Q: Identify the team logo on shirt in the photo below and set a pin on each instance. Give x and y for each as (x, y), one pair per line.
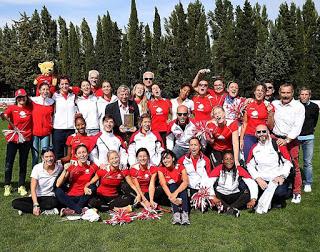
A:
(119, 176)
(87, 171)
(146, 176)
(254, 114)
(221, 137)
(159, 110)
(22, 114)
(200, 106)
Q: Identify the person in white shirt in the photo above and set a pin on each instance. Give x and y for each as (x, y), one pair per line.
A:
(63, 118)
(43, 176)
(108, 141)
(180, 131)
(182, 99)
(145, 138)
(104, 100)
(267, 165)
(288, 121)
(87, 106)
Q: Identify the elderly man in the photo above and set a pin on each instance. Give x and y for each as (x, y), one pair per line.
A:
(180, 131)
(147, 82)
(288, 121)
(306, 137)
(93, 78)
(123, 110)
(269, 165)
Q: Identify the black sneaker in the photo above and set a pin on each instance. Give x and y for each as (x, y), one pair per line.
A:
(233, 211)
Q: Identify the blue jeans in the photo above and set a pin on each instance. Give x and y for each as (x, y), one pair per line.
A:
(59, 138)
(248, 142)
(307, 150)
(183, 195)
(38, 143)
(74, 202)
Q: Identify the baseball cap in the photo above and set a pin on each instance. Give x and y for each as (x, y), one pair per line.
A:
(20, 92)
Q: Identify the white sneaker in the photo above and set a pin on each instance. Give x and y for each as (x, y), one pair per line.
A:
(53, 211)
(20, 212)
(307, 188)
(296, 198)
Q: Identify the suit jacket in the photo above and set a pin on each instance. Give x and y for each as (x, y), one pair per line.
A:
(114, 110)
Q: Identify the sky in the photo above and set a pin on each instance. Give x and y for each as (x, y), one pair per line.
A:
(75, 10)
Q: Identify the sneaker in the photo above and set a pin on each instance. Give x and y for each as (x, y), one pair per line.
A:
(307, 188)
(185, 218)
(220, 209)
(296, 199)
(84, 210)
(233, 211)
(7, 190)
(22, 191)
(176, 219)
(53, 211)
(67, 212)
(20, 212)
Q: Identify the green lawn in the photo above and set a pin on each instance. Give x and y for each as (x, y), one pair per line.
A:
(295, 228)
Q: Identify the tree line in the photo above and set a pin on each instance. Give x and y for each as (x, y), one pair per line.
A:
(239, 43)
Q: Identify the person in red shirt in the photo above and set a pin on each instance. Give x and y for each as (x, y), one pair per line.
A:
(144, 178)
(110, 178)
(80, 137)
(256, 113)
(159, 108)
(138, 95)
(42, 121)
(174, 180)
(222, 136)
(18, 138)
(202, 103)
(77, 175)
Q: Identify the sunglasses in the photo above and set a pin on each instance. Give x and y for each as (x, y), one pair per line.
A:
(203, 85)
(261, 132)
(182, 114)
(46, 149)
(148, 78)
(270, 87)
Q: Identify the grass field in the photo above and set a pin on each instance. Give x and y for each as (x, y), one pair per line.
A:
(295, 228)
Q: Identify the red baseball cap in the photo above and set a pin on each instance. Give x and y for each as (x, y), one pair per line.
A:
(20, 92)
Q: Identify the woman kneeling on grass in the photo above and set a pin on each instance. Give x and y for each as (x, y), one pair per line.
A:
(43, 176)
(110, 178)
(233, 187)
(174, 181)
(77, 175)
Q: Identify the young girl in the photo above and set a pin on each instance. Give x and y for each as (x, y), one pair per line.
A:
(20, 116)
(174, 181)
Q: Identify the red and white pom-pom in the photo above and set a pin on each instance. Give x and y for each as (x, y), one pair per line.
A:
(149, 215)
(120, 217)
(201, 199)
(238, 107)
(14, 135)
(201, 129)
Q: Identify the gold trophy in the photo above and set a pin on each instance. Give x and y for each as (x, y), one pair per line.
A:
(128, 121)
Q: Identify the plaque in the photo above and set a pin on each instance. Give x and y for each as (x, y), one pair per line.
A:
(128, 121)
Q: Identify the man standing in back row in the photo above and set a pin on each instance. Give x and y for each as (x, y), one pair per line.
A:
(306, 137)
(288, 120)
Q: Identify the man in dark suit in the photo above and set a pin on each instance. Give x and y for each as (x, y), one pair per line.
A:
(119, 109)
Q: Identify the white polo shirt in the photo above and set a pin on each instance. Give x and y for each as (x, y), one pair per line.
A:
(187, 102)
(45, 180)
(64, 111)
(102, 104)
(89, 110)
(288, 118)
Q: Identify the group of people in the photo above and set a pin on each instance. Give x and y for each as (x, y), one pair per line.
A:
(137, 148)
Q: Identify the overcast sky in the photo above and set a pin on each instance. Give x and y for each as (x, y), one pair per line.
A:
(76, 10)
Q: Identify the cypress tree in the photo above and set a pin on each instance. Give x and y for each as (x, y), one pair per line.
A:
(64, 57)
(49, 33)
(147, 49)
(125, 62)
(74, 48)
(99, 50)
(134, 42)
(156, 40)
(87, 47)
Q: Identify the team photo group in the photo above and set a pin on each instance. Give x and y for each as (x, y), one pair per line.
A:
(98, 149)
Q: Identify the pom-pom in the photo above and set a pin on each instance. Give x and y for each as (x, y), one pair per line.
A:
(14, 135)
(201, 199)
(149, 215)
(120, 216)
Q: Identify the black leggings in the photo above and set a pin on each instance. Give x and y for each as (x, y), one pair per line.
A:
(26, 204)
(12, 149)
(236, 200)
(106, 203)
